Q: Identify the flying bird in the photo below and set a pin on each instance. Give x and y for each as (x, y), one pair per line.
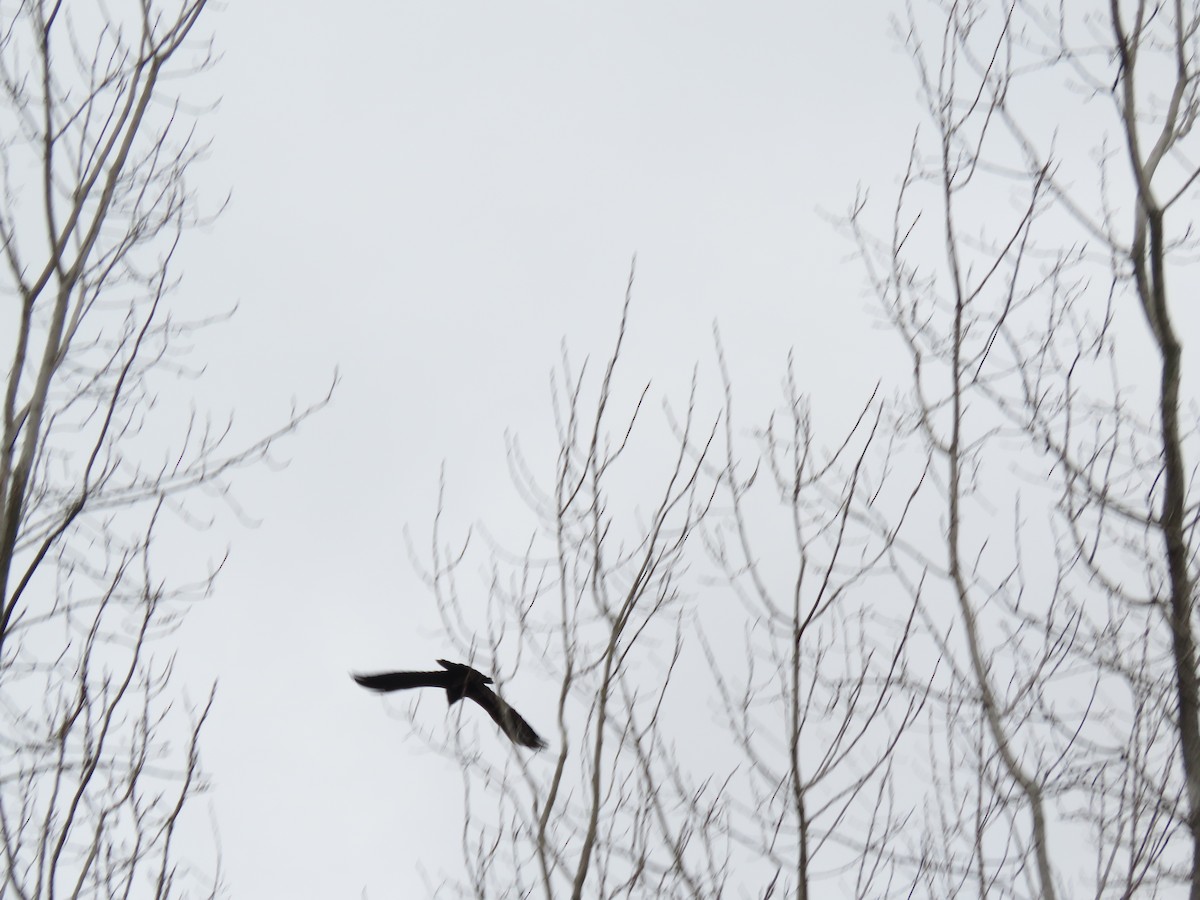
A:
(460, 681)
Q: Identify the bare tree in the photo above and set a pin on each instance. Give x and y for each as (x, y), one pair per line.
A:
(819, 693)
(1045, 215)
(597, 604)
(97, 759)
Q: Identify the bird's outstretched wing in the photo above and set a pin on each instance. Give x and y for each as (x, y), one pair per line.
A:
(400, 681)
(509, 720)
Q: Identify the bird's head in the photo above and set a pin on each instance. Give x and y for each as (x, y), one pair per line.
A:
(464, 670)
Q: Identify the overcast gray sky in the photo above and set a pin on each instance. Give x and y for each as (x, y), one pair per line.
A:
(430, 197)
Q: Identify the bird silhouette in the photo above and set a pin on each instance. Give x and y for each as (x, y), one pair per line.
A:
(460, 681)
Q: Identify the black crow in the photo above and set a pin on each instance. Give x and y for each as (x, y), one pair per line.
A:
(460, 681)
